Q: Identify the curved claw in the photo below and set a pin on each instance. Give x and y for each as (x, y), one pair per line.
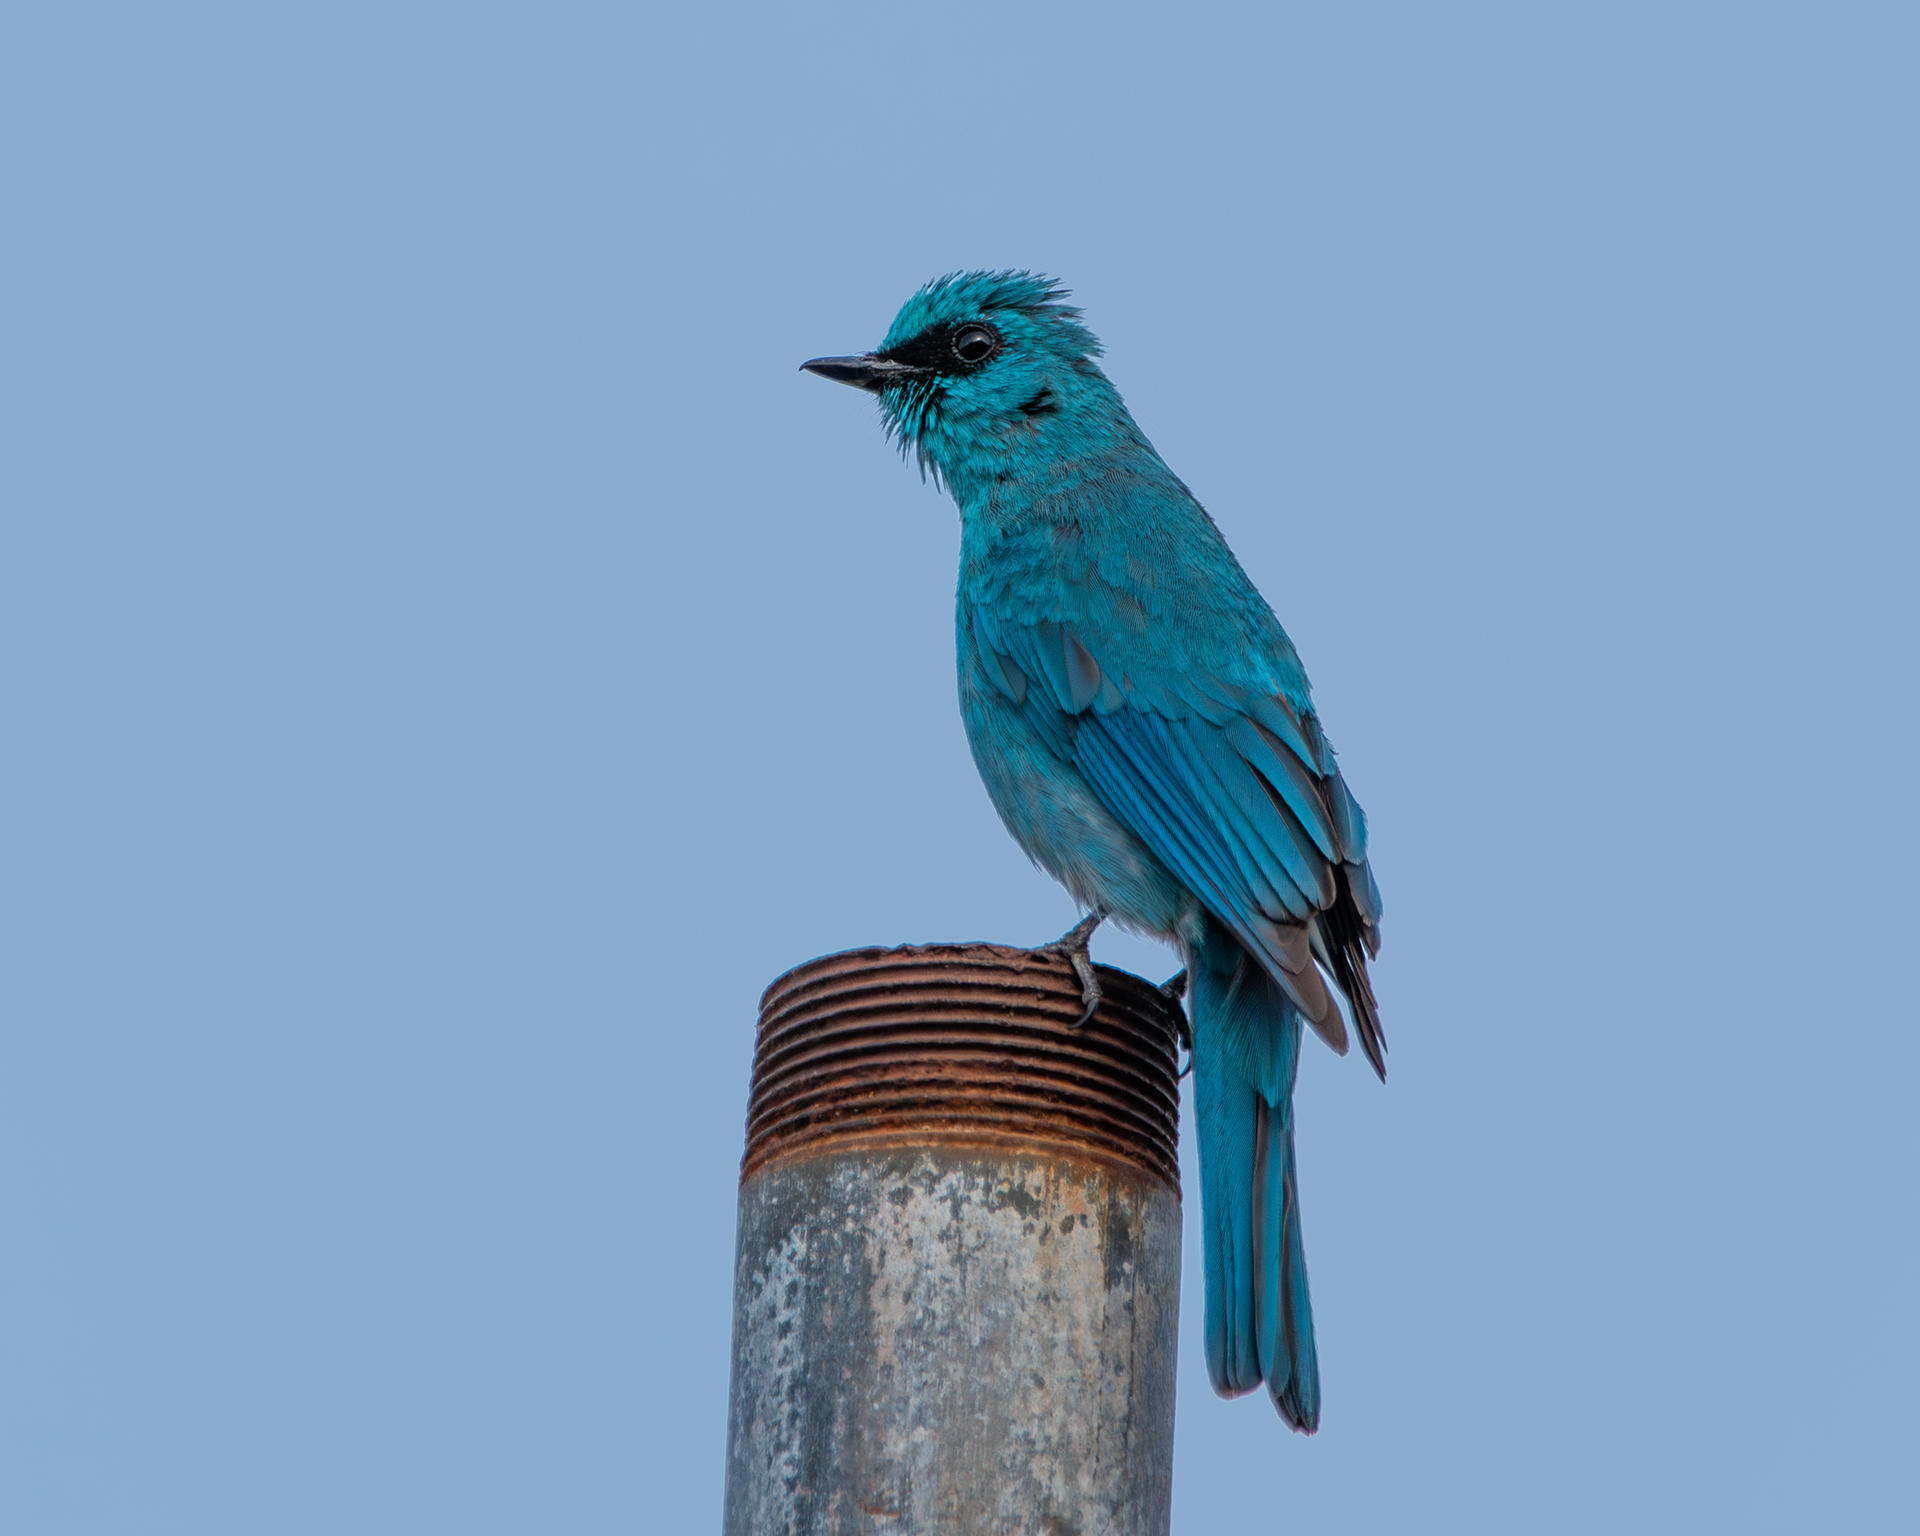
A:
(1174, 988)
(1073, 945)
(1090, 992)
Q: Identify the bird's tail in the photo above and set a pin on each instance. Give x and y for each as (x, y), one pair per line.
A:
(1246, 1049)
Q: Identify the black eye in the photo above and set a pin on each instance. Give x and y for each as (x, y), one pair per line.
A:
(974, 344)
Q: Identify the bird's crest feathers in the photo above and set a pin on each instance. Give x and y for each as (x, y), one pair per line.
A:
(1033, 327)
(962, 296)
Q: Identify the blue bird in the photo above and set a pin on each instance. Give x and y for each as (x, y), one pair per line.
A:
(1146, 732)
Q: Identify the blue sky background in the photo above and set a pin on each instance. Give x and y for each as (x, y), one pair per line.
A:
(450, 661)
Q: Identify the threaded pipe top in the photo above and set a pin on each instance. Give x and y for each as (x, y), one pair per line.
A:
(964, 1045)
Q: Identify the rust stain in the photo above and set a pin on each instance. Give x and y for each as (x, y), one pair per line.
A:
(963, 1045)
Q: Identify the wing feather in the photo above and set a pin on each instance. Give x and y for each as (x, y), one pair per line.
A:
(1234, 788)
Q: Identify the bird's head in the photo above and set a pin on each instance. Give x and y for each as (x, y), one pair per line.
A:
(982, 371)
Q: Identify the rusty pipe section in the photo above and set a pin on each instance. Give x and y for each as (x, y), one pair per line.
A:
(957, 1281)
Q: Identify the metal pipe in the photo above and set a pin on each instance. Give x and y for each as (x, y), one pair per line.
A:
(957, 1282)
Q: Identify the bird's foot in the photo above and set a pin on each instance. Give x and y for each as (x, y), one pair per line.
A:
(1174, 989)
(1073, 945)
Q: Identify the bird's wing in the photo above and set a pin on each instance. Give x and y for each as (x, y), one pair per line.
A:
(1232, 786)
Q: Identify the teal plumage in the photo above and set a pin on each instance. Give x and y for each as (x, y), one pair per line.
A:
(1145, 729)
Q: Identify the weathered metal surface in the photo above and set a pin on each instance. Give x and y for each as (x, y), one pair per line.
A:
(957, 1284)
(968, 1043)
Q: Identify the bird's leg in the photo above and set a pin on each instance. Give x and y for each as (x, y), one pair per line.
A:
(1174, 989)
(1073, 944)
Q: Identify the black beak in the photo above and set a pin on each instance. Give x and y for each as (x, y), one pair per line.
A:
(869, 372)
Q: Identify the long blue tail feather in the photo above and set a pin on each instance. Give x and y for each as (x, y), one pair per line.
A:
(1246, 1051)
